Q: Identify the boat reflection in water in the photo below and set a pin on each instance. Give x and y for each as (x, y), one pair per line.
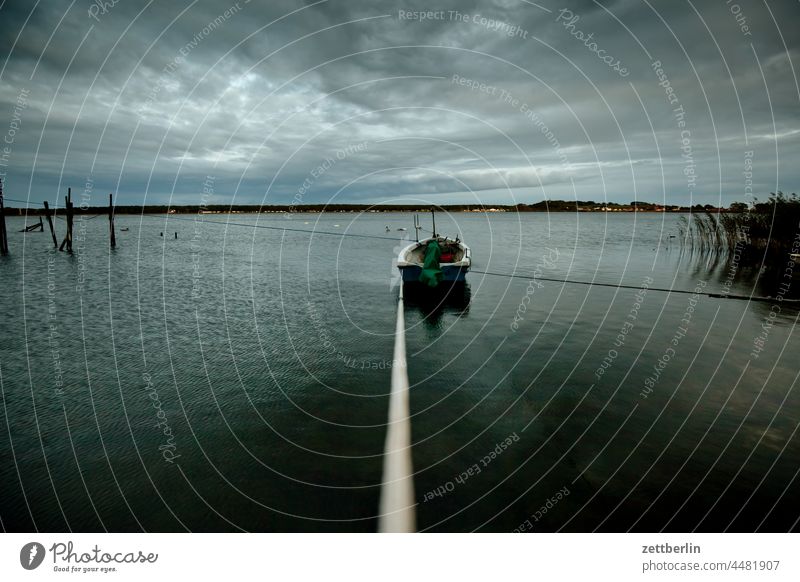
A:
(448, 298)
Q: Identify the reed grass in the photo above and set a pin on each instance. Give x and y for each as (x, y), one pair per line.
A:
(764, 231)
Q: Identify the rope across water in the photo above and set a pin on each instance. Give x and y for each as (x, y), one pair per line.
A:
(490, 273)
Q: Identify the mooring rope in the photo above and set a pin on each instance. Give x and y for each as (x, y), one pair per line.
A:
(515, 275)
(491, 273)
(621, 286)
(22, 201)
(54, 208)
(264, 226)
(397, 509)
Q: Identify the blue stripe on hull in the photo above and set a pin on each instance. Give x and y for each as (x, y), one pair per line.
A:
(451, 274)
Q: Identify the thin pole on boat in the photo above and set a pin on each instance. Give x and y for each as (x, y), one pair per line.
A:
(433, 217)
(397, 508)
(416, 227)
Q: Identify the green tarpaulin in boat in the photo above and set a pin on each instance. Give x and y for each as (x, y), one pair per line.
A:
(431, 274)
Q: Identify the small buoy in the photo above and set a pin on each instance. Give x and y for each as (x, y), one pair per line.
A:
(160, 234)
(336, 225)
(176, 235)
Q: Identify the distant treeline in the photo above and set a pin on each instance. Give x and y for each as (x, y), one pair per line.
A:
(544, 206)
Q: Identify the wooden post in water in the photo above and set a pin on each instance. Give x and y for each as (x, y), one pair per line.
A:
(111, 220)
(68, 238)
(50, 223)
(34, 227)
(3, 237)
(69, 220)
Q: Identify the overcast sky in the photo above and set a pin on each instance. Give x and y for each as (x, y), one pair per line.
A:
(366, 101)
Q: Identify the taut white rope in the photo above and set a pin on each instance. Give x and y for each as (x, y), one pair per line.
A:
(397, 507)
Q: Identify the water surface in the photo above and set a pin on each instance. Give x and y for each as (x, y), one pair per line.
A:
(268, 353)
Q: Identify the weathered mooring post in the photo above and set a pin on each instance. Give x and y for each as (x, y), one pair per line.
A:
(3, 236)
(68, 238)
(50, 223)
(113, 238)
(34, 227)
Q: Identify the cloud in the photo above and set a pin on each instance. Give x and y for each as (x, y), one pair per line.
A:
(150, 100)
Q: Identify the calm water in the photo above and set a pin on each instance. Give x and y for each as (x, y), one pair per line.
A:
(268, 354)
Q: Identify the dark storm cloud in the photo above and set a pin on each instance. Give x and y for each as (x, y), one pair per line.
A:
(498, 101)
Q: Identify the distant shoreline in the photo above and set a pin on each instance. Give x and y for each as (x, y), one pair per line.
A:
(550, 206)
